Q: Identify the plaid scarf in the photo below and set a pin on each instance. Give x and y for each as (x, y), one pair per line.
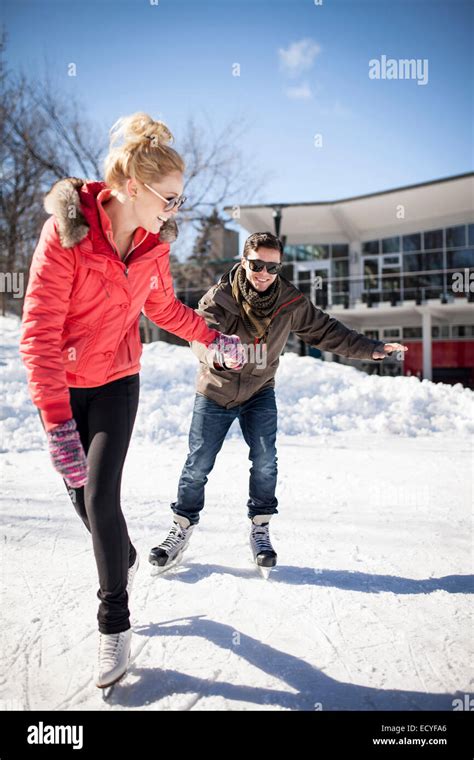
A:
(256, 308)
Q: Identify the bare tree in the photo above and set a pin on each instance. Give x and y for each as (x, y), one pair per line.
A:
(20, 198)
(74, 145)
(42, 139)
(45, 136)
(217, 172)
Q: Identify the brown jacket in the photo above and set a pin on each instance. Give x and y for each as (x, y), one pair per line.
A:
(294, 312)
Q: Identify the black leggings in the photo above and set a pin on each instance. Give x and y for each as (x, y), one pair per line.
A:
(105, 416)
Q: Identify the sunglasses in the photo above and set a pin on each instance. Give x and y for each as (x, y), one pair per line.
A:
(170, 203)
(257, 265)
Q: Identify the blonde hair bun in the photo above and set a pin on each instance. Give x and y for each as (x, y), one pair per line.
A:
(140, 147)
(140, 129)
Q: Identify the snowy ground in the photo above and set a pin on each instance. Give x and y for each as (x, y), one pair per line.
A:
(368, 608)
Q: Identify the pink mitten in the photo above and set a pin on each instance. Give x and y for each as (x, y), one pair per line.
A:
(229, 351)
(67, 454)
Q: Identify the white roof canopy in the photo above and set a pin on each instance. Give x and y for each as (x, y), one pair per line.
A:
(403, 210)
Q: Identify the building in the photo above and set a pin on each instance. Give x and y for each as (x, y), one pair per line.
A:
(396, 265)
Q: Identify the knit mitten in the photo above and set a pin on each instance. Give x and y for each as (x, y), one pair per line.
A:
(228, 351)
(67, 454)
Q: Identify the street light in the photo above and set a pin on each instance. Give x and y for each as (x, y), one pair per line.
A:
(277, 222)
(277, 219)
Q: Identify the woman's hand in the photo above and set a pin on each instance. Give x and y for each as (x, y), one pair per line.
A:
(67, 454)
(388, 349)
(229, 351)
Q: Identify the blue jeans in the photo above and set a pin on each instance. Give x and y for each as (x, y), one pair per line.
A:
(209, 427)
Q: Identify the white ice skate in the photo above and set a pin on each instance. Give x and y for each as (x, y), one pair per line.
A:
(114, 655)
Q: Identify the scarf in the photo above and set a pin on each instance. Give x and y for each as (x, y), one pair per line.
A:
(256, 308)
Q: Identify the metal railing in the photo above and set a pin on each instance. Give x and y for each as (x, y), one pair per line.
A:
(394, 288)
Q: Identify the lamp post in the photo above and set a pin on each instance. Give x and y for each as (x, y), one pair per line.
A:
(277, 223)
(277, 220)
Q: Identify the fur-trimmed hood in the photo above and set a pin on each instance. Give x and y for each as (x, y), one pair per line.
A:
(73, 203)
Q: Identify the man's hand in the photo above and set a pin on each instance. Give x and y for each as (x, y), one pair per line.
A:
(229, 351)
(388, 349)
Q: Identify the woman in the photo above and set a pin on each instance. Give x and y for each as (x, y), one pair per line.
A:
(102, 259)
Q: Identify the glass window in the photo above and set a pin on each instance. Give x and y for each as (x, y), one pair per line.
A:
(391, 245)
(372, 334)
(432, 260)
(429, 285)
(462, 331)
(371, 272)
(391, 332)
(300, 252)
(412, 332)
(372, 246)
(311, 252)
(391, 261)
(340, 251)
(470, 230)
(440, 331)
(340, 268)
(456, 236)
(433, 239)
(460, 259)
(412, 242)
(419, 262)
(412, 262)
(319, 251)
(315, 252)
(391, 286)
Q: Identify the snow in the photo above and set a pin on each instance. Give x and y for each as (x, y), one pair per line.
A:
(367, 609)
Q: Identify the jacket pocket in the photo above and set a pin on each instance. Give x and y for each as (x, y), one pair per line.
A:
(134, 343)
(76, 340)
(90, 282)
(129, 350)
(93, 262)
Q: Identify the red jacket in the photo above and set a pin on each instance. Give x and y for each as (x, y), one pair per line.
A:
(80, 323)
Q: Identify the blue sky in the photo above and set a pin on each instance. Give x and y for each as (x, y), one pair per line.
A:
(303, 71)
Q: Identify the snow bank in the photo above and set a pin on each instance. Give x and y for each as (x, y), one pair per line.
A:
(314, 398)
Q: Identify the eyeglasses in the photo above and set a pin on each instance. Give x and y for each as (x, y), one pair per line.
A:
(257, 265)
(170, 203)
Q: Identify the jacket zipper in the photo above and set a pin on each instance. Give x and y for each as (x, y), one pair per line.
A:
(109, 235)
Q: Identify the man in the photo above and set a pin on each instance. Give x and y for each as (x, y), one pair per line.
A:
(255, 302)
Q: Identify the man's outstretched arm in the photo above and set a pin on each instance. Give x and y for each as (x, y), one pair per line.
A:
(322, 331)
